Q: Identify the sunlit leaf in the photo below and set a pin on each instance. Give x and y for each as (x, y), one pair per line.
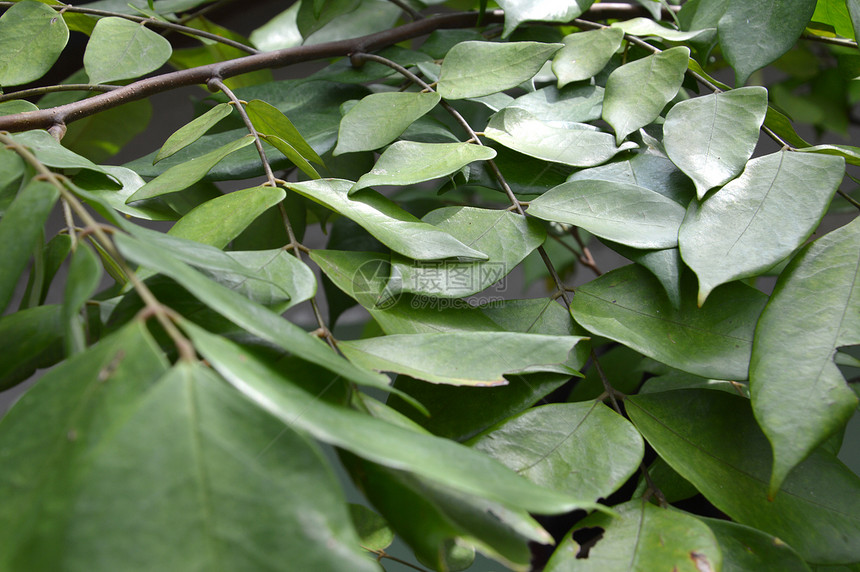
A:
(585, 53)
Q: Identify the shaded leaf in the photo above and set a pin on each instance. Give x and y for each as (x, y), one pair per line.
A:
(381, 217)
(745, 548)
(758, 219)
(32, 37)
(585, 54)
(473, 69)
(122, 49)
(380, 118)
(817, 512)
(34, 339)
(620, 212)
(49, 152)
(629, 305)
(712, 137)
(408, 162)
(82, 280)
(799, 396)
(637, 92)
(192, 131)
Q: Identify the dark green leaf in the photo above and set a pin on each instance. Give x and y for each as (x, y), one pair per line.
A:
(745, 548)
(84, 276)
(34, 339)
(192, 131)
(380, 118)
(280, 132)
(32, 37)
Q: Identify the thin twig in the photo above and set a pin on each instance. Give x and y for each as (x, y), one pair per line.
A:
(148, 21)
(848, 198)
(843, 42)
(413, 13)
(24, 93)
(380, 554)
(586, 259)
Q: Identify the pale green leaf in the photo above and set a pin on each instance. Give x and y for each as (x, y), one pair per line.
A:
(519, 11)
(637, 92)
(220, 220)
(575, 144)
(849, 153)
(408, 162)
(582, 448)
(645, 27)
(381, 217)
(630, 306)
(754, 34)
(380, 118)
(580, 103)
(758, 219)
(643, 538)
(653, 172)
(438, 357)
(818, 511)
(32, 37)
(191, 132)
(619, 212)
(184, 175)
(711, 138)
(473, 69)
(799, 395)
(585, 54)
(122, 49)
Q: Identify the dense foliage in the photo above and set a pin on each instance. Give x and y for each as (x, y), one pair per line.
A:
(186, 424)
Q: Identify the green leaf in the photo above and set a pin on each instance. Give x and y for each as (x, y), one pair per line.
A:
(799, 396)
(381, 217)
(519, 11)
(122, 49)
(473, 69)
(854, 12)
(12, 171)
(101, 136)
(712, 137)
(577, 103)
(438, 357)
(83, 279)
(645, 27)
(629, 305)
(32, 37)
(49, 152)
(34, 339)
(620, 212)
(754, 35)
(849, 153)
(665, 265)
(253, 317)
(585, 54)
(192, 131)
(506, 237)
(564, 447)
(380, 118)
(680, 380)
(781, 125)
(758, 219)
(21, 232)
(312, 17)
(644, 170)
(745, 548)
(408, 162)
(17, 106)
(576, 144)
(93, 188)
(220, 220)
(818, 513)
(280, 32)
(637, 92)
(642, 538)
(439, 460)
(184, 175)
(834, 13)
(278, 130)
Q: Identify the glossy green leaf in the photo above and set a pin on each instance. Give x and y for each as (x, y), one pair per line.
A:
(473, 69)
(666, 265)
(629, 305)
(34, 339)
(122, 49)
(643, 538)
(645, 27)
(818, 510)
(849, 153)
(381, 217)
(21, 232)
(438, 357)
(408, 162)
(637, 92)
(584, 448)
(577, 103)
(759, 218)
(753, 35)
(576, 144)
(799, 396)
(192, 131)
(644, 170)
(439, 460)
(585, 53)
(83, 279)
(712, 137)
(619, 212)
(380, 118)
(255, 318)
(519, 11)
(506, 237)
(32, 37)
(220, 220)
(280, 32)
(280, 132)
(745, 548)
(184, 175)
